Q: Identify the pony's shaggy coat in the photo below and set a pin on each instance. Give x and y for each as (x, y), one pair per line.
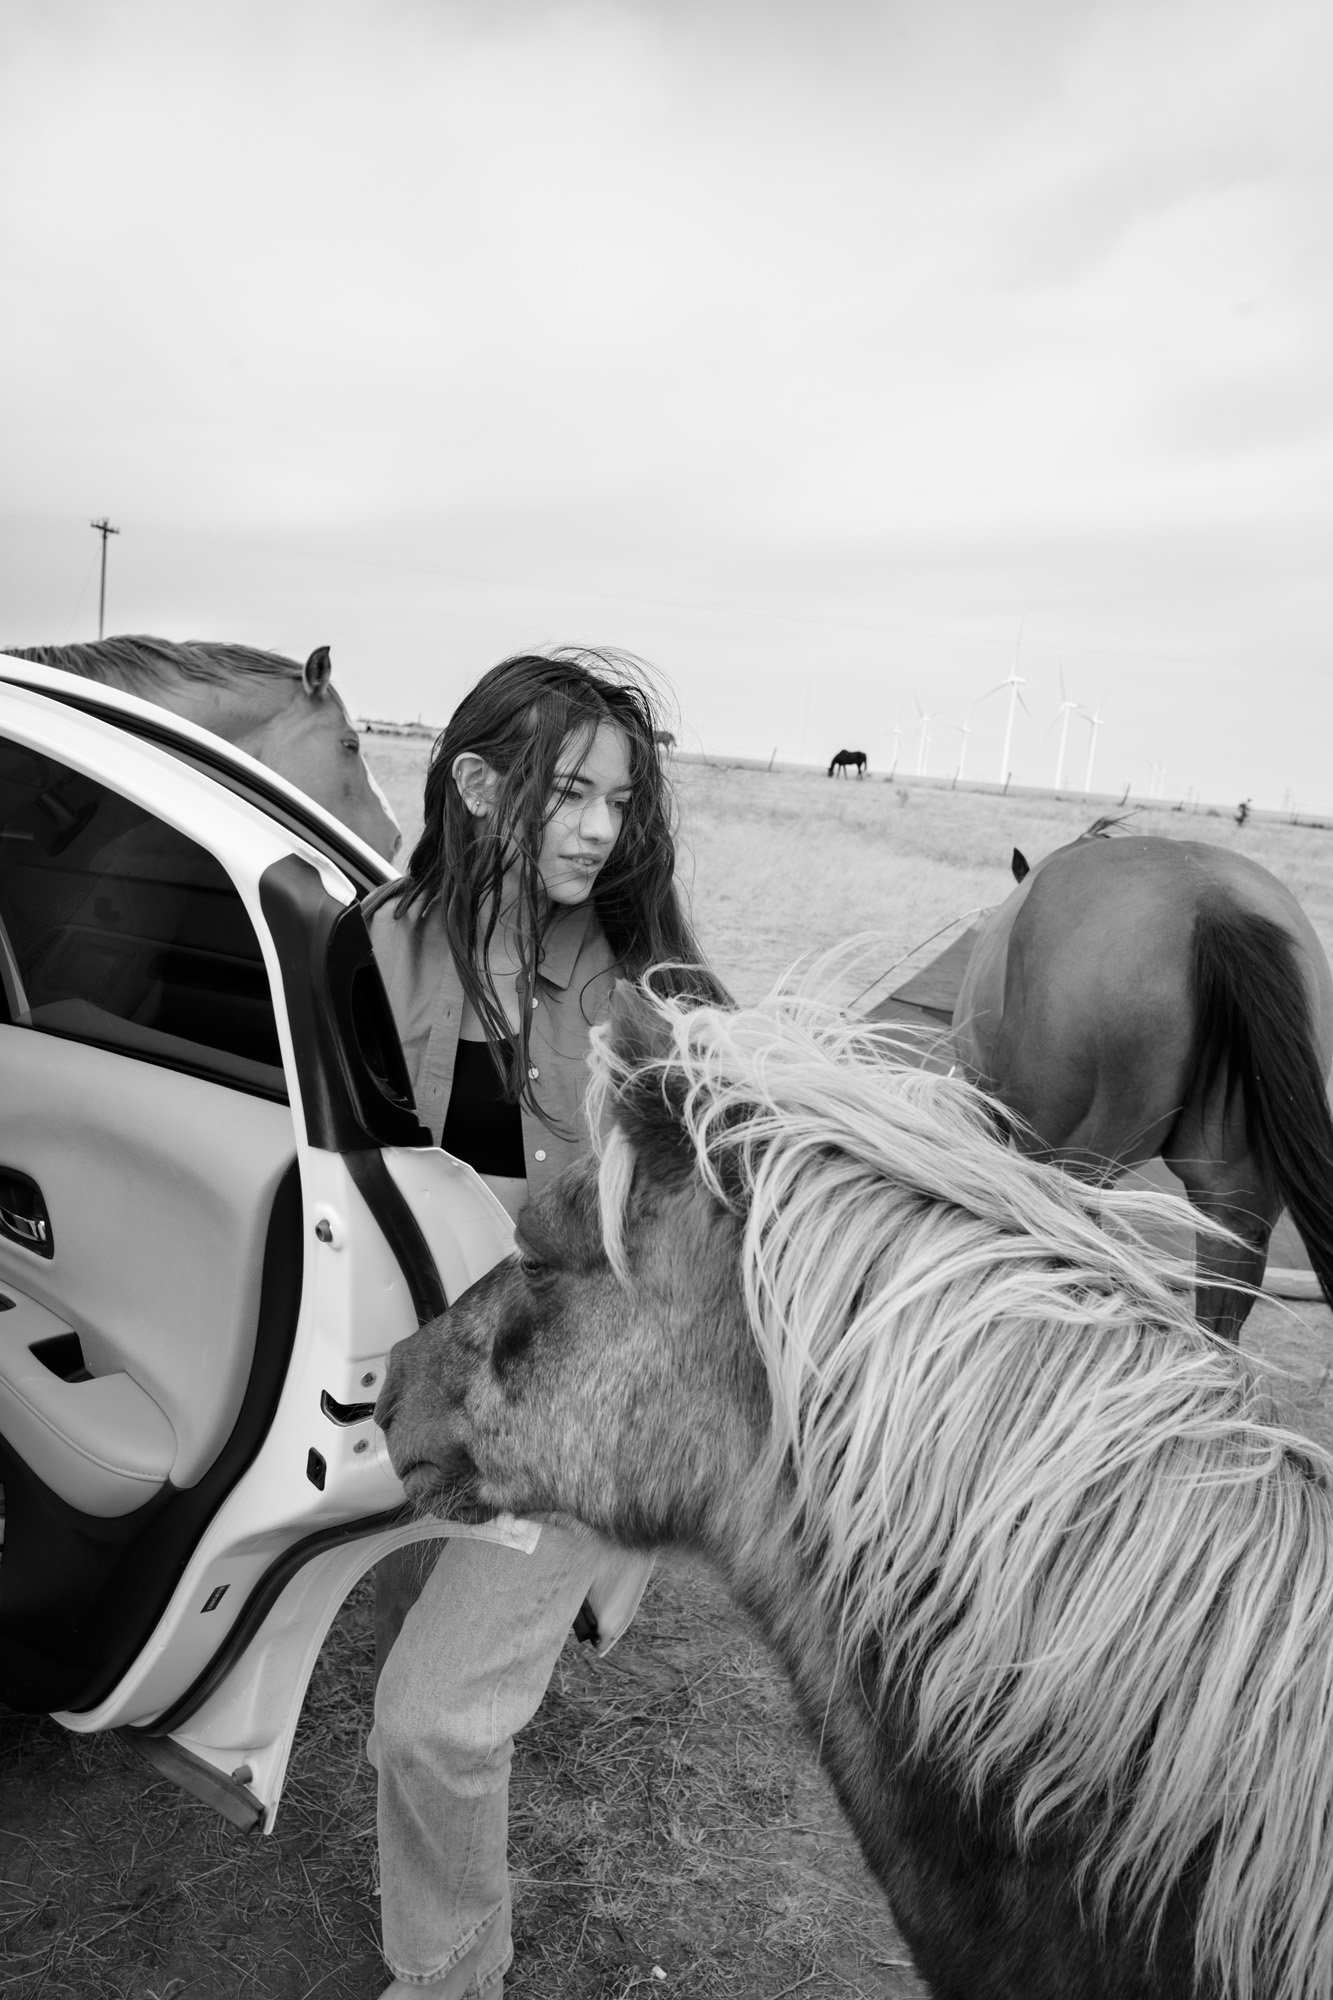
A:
(1052, 1508)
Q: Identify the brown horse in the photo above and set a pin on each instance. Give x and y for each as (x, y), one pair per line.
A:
(845, 760)
(1054, 1589)
(1137, 997)
(285, 715)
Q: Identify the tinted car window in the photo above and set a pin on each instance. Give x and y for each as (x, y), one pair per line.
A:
(116, 929)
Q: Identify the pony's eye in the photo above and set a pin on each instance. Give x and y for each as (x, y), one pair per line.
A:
(533, 1269)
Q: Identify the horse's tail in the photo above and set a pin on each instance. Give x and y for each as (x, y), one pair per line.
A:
(1253, 1024)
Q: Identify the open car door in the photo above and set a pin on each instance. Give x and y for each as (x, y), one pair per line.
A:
(217, 1214)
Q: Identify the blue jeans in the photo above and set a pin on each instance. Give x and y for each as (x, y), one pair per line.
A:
(475, 1655)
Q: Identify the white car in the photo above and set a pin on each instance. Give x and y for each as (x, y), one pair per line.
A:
(218, 1212)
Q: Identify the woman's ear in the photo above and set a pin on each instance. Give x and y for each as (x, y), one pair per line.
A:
(477, 783)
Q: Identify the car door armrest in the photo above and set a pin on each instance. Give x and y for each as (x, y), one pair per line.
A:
(101, 1443)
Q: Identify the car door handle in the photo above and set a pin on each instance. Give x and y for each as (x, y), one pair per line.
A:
(27, 1228)
(23, 1215)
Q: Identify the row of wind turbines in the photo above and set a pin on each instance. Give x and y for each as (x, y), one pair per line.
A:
(1014, 682)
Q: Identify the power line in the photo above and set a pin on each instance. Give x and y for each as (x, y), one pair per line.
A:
(104, 528)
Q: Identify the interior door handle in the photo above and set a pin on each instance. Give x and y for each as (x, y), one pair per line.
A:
(28, 1228)
(23, 1214)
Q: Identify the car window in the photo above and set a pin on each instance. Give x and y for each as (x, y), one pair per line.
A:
(118, 930)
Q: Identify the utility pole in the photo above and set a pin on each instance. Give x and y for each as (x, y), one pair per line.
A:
(104, 528)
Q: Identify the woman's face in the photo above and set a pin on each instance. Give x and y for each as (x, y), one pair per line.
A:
(585, 812)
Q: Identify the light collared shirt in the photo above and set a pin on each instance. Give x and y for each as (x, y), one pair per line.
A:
(575, 974)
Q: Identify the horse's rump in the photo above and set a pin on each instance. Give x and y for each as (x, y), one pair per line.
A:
(1254, 1038)
(1138, 997)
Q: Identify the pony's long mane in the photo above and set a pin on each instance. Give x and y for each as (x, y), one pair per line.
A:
(139, 664)
(1062, 1516)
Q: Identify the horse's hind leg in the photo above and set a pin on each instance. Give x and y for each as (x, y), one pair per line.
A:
(1235, 1193)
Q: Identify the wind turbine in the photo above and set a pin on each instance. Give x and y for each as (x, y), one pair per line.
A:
(923, 736)
(897, 735)
(1013, 681)
(999, 688)
(1062, 715)
(961, 729)
(1096, 721)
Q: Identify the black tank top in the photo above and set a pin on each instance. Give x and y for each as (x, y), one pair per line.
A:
(479, 1126)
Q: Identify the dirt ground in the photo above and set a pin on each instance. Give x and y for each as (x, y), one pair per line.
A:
(671, 1831)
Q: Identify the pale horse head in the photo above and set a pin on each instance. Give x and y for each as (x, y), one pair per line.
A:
(285, 715)
(312, 741)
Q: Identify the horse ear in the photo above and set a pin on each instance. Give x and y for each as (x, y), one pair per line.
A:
(1018, 862)
(637, 1031)
(644, 1105)
(316, 672)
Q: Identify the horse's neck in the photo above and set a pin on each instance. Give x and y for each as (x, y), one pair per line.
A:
(944, 1871)
(768, 1578)
(242, 711)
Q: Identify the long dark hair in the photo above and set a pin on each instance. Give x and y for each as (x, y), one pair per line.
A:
(519, 717)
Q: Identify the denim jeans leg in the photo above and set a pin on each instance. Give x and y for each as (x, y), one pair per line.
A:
(469, 1669)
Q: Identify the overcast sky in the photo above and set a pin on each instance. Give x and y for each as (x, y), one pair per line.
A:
(811, 350)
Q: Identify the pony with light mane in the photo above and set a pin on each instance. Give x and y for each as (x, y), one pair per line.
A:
(1053, 1584)
(285, 715)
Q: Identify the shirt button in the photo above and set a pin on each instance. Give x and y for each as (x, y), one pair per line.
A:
(533, 1072)
(534, 1004)
(539, 1154)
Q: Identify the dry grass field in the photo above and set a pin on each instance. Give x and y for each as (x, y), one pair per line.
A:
(671, 1831)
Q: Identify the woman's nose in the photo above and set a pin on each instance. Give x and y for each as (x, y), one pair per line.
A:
(596, 823)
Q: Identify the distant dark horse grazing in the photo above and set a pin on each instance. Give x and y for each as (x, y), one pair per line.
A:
(1138, 997)
(286, 715)
(1055, 1591)
(844, 758)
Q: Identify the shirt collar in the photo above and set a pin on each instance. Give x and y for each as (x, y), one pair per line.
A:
(563, 940)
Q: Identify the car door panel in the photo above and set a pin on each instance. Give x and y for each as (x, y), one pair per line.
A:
(204, 1084)
(159, 1187)
(314, 1472)
(144, 1095)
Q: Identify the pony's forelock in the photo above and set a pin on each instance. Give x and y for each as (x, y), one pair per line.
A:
(1049, 1505)
(615, 1174)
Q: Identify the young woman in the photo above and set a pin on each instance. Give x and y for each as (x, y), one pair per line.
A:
(545, 870)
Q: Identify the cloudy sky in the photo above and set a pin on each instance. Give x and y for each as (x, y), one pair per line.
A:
(827, 354)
